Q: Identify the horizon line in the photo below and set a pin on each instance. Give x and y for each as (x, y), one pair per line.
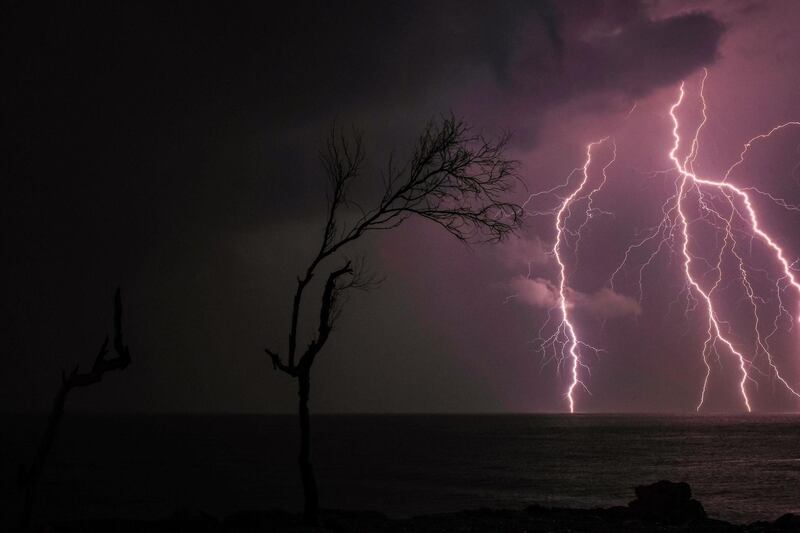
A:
(413, 413)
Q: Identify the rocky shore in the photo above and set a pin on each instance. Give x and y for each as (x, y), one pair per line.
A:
(660, 507)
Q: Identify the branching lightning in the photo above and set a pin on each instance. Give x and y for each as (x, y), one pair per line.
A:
(564, 344)
(698, 201)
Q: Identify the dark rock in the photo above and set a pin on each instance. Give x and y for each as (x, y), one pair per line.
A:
(668, 503)
(615, 514)
(788, 521)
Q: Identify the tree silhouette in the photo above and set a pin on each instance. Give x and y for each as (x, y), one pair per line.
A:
(29, 477)
(455, 178)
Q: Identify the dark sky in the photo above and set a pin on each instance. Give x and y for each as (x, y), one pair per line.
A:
(172, 148)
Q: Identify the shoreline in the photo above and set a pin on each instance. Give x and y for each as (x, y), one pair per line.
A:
(531, 519)
(661, 506)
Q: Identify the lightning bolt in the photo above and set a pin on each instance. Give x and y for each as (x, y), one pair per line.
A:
(564, 342)
(736, 198)
(718, 203)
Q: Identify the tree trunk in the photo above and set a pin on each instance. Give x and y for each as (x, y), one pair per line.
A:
(29, 478)
(310, 496)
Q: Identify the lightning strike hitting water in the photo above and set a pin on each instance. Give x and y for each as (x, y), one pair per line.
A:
(565, 343)
(722, 205)
(688, 180)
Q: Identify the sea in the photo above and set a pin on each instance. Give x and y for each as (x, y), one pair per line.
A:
(742, 468)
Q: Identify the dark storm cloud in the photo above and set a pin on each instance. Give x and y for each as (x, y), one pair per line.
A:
(146, 142)
(618, 52)
(643, 54)
(225, 107)
(428, 57)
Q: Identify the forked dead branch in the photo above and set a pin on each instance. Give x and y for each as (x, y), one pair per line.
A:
(454, 177)
(29, 477)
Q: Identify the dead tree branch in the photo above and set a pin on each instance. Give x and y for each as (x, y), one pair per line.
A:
(29, 477)
(454, 178)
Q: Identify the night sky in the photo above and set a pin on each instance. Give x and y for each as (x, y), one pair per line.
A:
(172, 149)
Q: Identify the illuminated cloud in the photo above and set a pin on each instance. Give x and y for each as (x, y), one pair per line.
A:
(537, 292)
(603, 304)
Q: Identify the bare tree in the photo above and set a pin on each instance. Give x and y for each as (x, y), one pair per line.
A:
(29, 477)
(454, 178)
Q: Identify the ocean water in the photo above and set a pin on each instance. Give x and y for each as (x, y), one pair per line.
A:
(742, 468)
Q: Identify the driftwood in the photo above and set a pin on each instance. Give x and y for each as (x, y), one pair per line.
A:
(29, 476)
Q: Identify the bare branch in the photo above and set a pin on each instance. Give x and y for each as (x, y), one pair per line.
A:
(298, 296)
(278, 364)
(454, 178)
(362, 278)
(342, 160)
(327, 314)
(29, 477)
(102, 364)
